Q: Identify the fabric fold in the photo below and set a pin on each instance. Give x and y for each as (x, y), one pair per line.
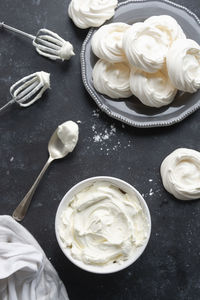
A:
(25, 271)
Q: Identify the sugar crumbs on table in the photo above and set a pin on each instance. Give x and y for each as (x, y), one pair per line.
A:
(96, 113)
(151, 192)
(103, 136)
(11, 159)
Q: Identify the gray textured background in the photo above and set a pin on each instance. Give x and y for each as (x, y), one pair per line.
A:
(169, 268)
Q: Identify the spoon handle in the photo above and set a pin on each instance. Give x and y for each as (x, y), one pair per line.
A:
(20, 212)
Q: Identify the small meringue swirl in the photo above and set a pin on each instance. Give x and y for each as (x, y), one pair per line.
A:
(153, 90)
(169, 27)
(183, 64)
(112, 79)
(180, 172)
(107, 42)
(145, 47)
(91, 13)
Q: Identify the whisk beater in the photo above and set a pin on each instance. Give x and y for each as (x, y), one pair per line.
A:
(28, 89)
(47, 43)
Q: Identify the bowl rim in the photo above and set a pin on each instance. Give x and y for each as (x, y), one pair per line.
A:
(77, 188)
(97, 96)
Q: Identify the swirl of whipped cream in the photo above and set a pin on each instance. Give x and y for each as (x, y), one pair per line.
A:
(112, 79)
(102, 225)
(183, 64)
(107, 42)
(91, 13)
(152, 89)
(169, 27)
(180, 172)
(68, 134)
(145, 47)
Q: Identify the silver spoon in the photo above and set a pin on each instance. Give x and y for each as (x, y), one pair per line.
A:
(56, 150)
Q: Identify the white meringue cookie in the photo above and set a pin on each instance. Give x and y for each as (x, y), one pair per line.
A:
(112, 79)
(145, 47)
(169, 27)
(180, 172)
(91, 13)
(107, 42)
(153, 90)
(183, 64)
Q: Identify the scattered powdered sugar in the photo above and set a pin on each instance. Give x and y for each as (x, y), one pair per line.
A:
(11, 159)
(103, 136)
(106, 136)
(150, 180)
(96, 112)
(79, 122)
(151, 192)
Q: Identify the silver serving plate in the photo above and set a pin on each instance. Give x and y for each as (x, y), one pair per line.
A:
(131, 111)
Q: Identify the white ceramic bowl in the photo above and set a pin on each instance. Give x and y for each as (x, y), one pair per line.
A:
(63, 204)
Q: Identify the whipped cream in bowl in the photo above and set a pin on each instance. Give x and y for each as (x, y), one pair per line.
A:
(103, 224)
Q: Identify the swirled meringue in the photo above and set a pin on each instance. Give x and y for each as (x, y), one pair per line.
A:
(183, 64)
(153, 90)
(169, 27)
(102, 225)
(145, 47)
(107, 42)
(112, 79)
(91, 13)
(180, 172)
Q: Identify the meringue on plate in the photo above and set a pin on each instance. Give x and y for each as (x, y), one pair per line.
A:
(107, 42)
(169, 27)
(183, 64)
(145, 47)
(180, 172)
(153, 90)
(91, 13)
(112, 79)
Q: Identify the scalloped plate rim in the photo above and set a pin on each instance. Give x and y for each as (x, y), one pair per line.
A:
(96, 97)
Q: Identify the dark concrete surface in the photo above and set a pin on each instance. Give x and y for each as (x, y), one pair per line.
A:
(169, 268)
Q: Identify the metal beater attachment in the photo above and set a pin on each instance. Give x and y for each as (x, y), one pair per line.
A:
(47, 43)
(29, 89)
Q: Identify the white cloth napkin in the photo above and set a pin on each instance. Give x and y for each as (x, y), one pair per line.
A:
(25, 271)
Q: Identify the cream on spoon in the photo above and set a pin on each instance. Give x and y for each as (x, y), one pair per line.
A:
(62, 142)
